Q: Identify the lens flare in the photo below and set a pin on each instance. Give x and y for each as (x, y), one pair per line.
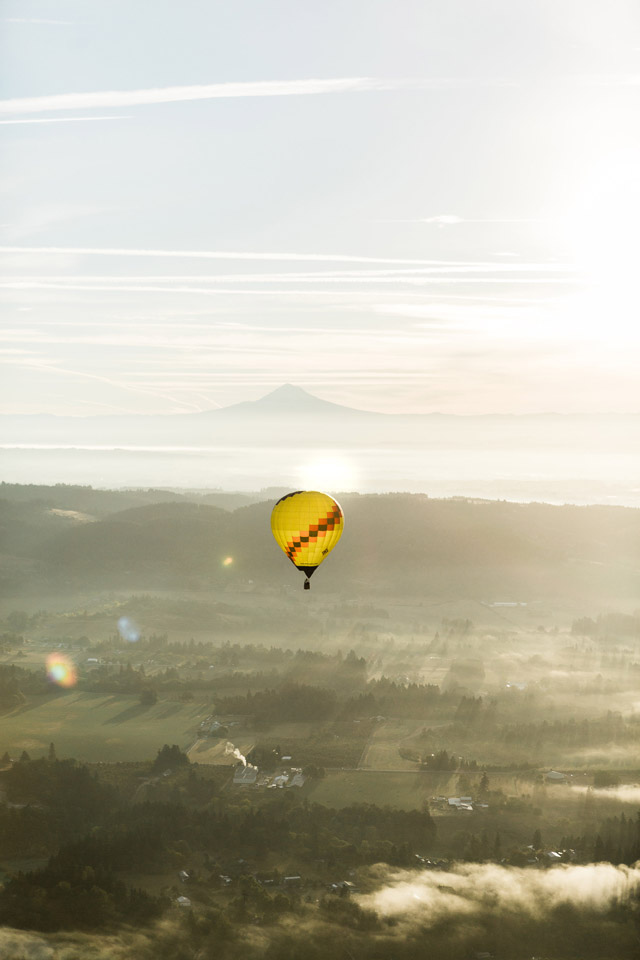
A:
(61, 670)
(227, 561)
(128, 629)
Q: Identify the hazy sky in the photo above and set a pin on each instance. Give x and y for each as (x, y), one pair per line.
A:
(403, 205)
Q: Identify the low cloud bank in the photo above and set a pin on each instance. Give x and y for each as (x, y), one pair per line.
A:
(15, 945)
(472, 889)
(72, 945)
(625, 793)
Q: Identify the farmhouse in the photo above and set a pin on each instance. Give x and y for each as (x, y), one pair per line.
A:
(554, 776)
(245, 776)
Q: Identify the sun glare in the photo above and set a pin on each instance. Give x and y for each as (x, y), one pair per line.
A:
(328, 473)
(603, 237)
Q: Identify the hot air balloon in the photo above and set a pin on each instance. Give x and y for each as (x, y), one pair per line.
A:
(307, 525)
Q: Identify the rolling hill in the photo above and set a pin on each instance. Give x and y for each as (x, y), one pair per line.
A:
(394, 542)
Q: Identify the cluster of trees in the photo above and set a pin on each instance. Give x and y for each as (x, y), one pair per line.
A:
(50, 800)
(78, 887)
(292, 701)
(474, 711)
(381, 697)
(447, 761)
(476, 721)
(611, 624)
(16, 682)
(62, 896)
(611, 728)
(169, 758)
(617, 840)
(338, 744)
(105, 836)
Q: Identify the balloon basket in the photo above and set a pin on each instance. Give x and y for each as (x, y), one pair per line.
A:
(307, 584)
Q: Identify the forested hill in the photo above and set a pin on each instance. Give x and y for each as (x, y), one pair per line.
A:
(76, 537)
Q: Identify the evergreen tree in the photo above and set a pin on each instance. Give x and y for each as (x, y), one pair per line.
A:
(497, 847)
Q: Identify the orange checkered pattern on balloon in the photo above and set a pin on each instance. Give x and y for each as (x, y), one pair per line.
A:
(316, 530)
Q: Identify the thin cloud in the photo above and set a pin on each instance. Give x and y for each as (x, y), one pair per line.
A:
(63, 120)
(214, 91)
(211, 91)
(331, 276)
(450, 219)
(273, 257)
(50, 366)
(249, 292)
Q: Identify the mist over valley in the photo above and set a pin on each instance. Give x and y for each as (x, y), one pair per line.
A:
(435, 745)
(291, 437)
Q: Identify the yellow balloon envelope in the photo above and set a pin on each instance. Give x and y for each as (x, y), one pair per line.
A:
(307, 525)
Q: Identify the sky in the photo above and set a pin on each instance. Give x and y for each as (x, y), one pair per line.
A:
(400, 205)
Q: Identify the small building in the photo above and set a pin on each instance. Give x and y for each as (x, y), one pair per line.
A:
(245, 776)
(293, 880)
(184, 876)
(297, 780)
(183, 902)
(554, 776)
(211, 728)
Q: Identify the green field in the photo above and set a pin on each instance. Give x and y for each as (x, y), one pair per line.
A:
(383, 749)
(93, 727)
(406, 791)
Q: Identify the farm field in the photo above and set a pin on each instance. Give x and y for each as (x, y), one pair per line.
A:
(406, 791)
(99, 727)
(409, 790)
(383, 749)
(216, 751)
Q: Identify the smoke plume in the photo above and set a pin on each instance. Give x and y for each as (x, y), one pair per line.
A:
(230, 749)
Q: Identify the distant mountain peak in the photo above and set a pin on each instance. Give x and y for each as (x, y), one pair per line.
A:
(288, 393)
(289, 399)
